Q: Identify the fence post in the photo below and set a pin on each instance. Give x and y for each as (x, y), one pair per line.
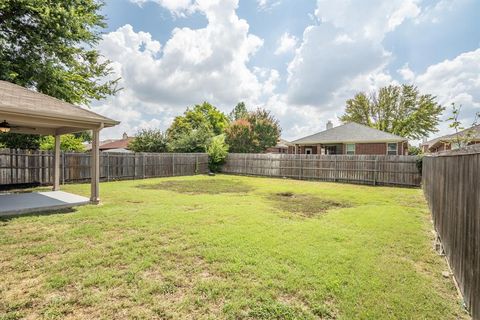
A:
(63, 154)
(173, 164)
(108, 166)
(196, 164)
(301, 168)
(375, 172)
(134, 165)
(335, 176)
(245, 164)
(143, 165)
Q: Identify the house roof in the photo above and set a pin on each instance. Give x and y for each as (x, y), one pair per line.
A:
(24, 107)
(117, 144)
(446, 138)
(350, 132)
(282, 143)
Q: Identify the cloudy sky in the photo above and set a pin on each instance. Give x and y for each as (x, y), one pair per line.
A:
(299, 58)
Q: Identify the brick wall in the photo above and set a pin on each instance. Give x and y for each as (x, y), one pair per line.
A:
(371, 148)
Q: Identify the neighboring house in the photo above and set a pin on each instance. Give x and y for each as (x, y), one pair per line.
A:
(114, 145)
(281, 147)
(350, 138)
(120, 145)
(446, 142)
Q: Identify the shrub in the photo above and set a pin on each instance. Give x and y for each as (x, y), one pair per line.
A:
(217, 152)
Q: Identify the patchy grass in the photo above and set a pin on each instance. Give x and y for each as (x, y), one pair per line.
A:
(305, 205)
(184, 251)
(208, 186)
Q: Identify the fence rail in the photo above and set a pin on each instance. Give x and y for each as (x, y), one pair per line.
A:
(451, 184)
(365, 169)
(36, 167)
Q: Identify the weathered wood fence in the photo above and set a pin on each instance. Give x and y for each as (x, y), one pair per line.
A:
(364, 169)
(451, 183)
(36, 167)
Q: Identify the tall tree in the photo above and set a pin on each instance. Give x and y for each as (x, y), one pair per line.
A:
(400, 110)
(149, 140)
(259, 131)
(202, 116)
(239, 112)
(49, 46)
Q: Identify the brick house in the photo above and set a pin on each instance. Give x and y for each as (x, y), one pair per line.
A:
(444, 143)
(281, 147)
(350, 138)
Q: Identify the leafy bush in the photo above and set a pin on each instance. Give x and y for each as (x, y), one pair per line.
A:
(68, 142)
(149, 140)
(217, 152)
(196, 140)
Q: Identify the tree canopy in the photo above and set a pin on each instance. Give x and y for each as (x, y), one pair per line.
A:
(149, 140)
(255, 133)
(239, 112)
(68, 142)
(400, 110)
(202, 116)
(49, 46)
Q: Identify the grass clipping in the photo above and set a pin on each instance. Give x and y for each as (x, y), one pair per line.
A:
(213, 186)
(305, 205)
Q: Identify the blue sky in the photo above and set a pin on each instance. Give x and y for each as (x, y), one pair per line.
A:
(300, 59)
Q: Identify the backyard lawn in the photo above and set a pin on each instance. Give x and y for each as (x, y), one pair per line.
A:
(228, 247)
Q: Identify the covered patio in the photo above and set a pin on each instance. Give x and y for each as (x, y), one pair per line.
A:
(29, 112)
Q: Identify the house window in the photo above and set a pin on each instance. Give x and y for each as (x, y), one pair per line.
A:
(350, 148)
(308, 150)
(392, 149)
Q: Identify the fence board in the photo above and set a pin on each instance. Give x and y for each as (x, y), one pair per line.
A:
(451, 184)
(36, 166)
(365, 169)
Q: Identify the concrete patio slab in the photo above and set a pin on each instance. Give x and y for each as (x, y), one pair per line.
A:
(22, 203)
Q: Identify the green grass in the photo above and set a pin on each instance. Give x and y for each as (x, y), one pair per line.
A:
(227, 247)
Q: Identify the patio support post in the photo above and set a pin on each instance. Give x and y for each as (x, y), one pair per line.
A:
(56, 164)
(95, 167)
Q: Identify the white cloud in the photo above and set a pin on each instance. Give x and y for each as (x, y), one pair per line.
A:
(194, 65)
(286, 43)
(177, 7)
(456, 80)
(267, 4)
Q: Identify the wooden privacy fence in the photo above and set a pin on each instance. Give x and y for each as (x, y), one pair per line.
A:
(36, 167)
(365, 169)
(451, 183)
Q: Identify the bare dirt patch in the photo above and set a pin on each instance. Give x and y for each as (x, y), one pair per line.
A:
(211, 186)
(305, 205)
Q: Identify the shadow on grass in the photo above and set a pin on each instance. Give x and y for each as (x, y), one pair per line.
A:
(7, 218)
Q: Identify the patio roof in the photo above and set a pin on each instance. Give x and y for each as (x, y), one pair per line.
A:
(28, 111)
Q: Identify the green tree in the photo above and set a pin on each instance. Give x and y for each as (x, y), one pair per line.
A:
(50, 46)
(400, 110)
(217, 152)
(202, 116)
(414, 151)
(149, 140)
(20, 141)
(195, 140)
(68, 142)
(259, 131)
(239, 136)
(239, 112)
